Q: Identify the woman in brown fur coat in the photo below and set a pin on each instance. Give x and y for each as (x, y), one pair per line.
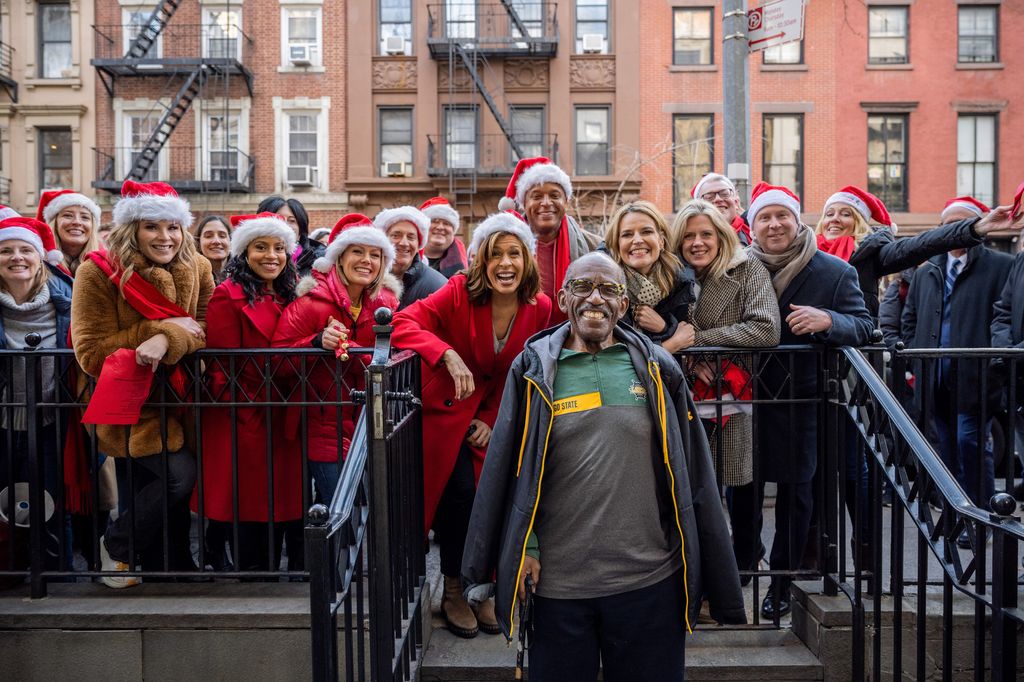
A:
(111, 310)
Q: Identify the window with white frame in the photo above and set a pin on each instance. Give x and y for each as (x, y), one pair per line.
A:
(395, 24)
(976, 157)
(592, 26)
(134, 21)
(303, 129)
(301, 36)
(887, 35)
(460, 137)
(222, 33)
(136, 129)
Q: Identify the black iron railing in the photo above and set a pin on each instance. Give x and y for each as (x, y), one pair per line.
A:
(176, 45)
(186, 168)
(494, 28)
(485, 155)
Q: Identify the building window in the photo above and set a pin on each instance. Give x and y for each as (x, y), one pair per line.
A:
(887, 35)
(302, 149)
(531, 13)
(692, 36)
(976, 157)
(302, 33)
(222, 31)
(396, 24)
(54, 40)
(460, 18)
(783, 151)
(592, 136)
(977, 34)
(395, 141)
(528, 131)
(693, 153)
(135, 20)
(460, 137)
(138, 128)
(787, 53)
(887, 159)
(222, 154)
(592, 26)
(55, 158)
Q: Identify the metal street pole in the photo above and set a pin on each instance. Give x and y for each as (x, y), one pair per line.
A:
(736, 91)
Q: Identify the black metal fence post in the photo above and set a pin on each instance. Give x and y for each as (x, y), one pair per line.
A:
(36, 477)
(1004, 591)
(323, 621)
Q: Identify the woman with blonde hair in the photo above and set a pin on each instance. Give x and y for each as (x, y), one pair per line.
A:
(147, 294)
(736, 307)
(660, 288)
(75, 220)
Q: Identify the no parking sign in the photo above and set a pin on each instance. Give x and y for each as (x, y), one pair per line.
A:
(775, 22)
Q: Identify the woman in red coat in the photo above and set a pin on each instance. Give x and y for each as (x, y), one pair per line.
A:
(468, 333)
(260, 280)
(334, 310)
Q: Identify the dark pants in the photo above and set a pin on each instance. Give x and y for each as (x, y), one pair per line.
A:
(957, 436)
(253, 552)
(143, 515)
(451, 522)
(637, 635)
(794, 504)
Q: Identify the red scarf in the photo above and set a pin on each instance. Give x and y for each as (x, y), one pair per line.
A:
(562, 255)
(140, 294)
(840, 247)
(741, 227)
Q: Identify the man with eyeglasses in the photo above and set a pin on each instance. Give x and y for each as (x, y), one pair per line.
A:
(598, 471)
(719, 190)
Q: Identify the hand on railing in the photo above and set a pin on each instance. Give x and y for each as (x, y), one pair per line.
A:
(152, 351)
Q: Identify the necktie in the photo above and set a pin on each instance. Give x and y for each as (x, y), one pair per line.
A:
(951, 274)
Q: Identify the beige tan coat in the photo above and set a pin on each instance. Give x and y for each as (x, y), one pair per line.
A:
(103, 322)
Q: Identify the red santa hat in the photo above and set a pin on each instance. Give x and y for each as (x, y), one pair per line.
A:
(970, 203)
(530, 173)
(35, 232)
(388, 217)
(52, 202)
(354, 228)
(698, 189)
(764, 195)
(8, 212)
(508, 222)
(865, 203)
(151, 201)
(438, 208)
(246, 228)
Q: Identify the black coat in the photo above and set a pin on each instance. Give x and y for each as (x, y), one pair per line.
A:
(787, 434)
(674, 308)
(419, 281)
(977, 288)
(1008, 312)
(880, 253)
(890, 309)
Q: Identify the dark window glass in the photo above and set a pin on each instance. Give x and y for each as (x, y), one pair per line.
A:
(55, 40)
(55, 169)
(976, 157)
(528, 131)
(977, 34)
(887, 159)
(783, 156)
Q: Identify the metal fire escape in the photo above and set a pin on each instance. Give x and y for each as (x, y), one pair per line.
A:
(195, 56)
(494, 31)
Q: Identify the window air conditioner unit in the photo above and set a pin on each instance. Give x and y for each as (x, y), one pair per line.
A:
(396, 169)
(394, 45)
(300, 176)
(300, 55)
(593, 43)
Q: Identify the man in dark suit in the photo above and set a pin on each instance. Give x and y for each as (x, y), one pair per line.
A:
(949, 305)
(1008, 332)
(820, 301)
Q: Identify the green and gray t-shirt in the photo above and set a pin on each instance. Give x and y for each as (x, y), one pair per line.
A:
(599, 527)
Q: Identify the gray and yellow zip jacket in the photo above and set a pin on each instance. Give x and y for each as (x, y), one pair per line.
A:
(513, 478)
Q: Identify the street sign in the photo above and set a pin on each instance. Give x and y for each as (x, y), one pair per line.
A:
(775, 22)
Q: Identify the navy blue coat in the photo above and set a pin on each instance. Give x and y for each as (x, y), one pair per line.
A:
(1008, 312)
(787, 434)
(60, 297)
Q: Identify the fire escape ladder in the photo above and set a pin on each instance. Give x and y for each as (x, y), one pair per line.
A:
(470, 64)
(514, 16)
(182, 102)
(157, 21)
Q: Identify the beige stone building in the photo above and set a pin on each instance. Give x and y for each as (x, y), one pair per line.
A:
(47, 98)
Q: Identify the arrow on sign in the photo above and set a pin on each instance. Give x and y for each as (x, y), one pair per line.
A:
(773, 37)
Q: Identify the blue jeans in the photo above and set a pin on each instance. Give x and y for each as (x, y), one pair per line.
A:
(957, 437)
(325, 479)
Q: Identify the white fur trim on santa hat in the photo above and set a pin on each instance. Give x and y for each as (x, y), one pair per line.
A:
(249, 230)
(538, 174)
(388, 217)
(711, 177)
(65, 200)
(850, 200)
(442, 212)
(962, 204)
(8, 212)
(773, 197)
(26, 235)
(364, 234)
(502, 222)
(152, 207)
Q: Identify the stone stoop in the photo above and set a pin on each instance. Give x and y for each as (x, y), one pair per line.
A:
(156, 632)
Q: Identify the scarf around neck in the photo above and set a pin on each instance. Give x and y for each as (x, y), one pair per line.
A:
(785, 266)
(641, 289)
(840, 247)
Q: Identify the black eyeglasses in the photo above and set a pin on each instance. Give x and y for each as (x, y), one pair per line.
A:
(582, 288)
(723, 193)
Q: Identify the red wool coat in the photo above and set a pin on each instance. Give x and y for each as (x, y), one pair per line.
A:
(446, 319)
(233, 323)
(327, 425)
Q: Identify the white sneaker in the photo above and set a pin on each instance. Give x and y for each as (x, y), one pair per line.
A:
(108, 563)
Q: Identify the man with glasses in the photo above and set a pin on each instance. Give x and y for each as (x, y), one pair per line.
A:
(599, 472)
(719, 190)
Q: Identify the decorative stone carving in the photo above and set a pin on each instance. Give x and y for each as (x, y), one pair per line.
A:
(526, 74)
(394, 74)
(461, 78)
(592, 73)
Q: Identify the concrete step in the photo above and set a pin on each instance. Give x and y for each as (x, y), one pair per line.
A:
(710, 655)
